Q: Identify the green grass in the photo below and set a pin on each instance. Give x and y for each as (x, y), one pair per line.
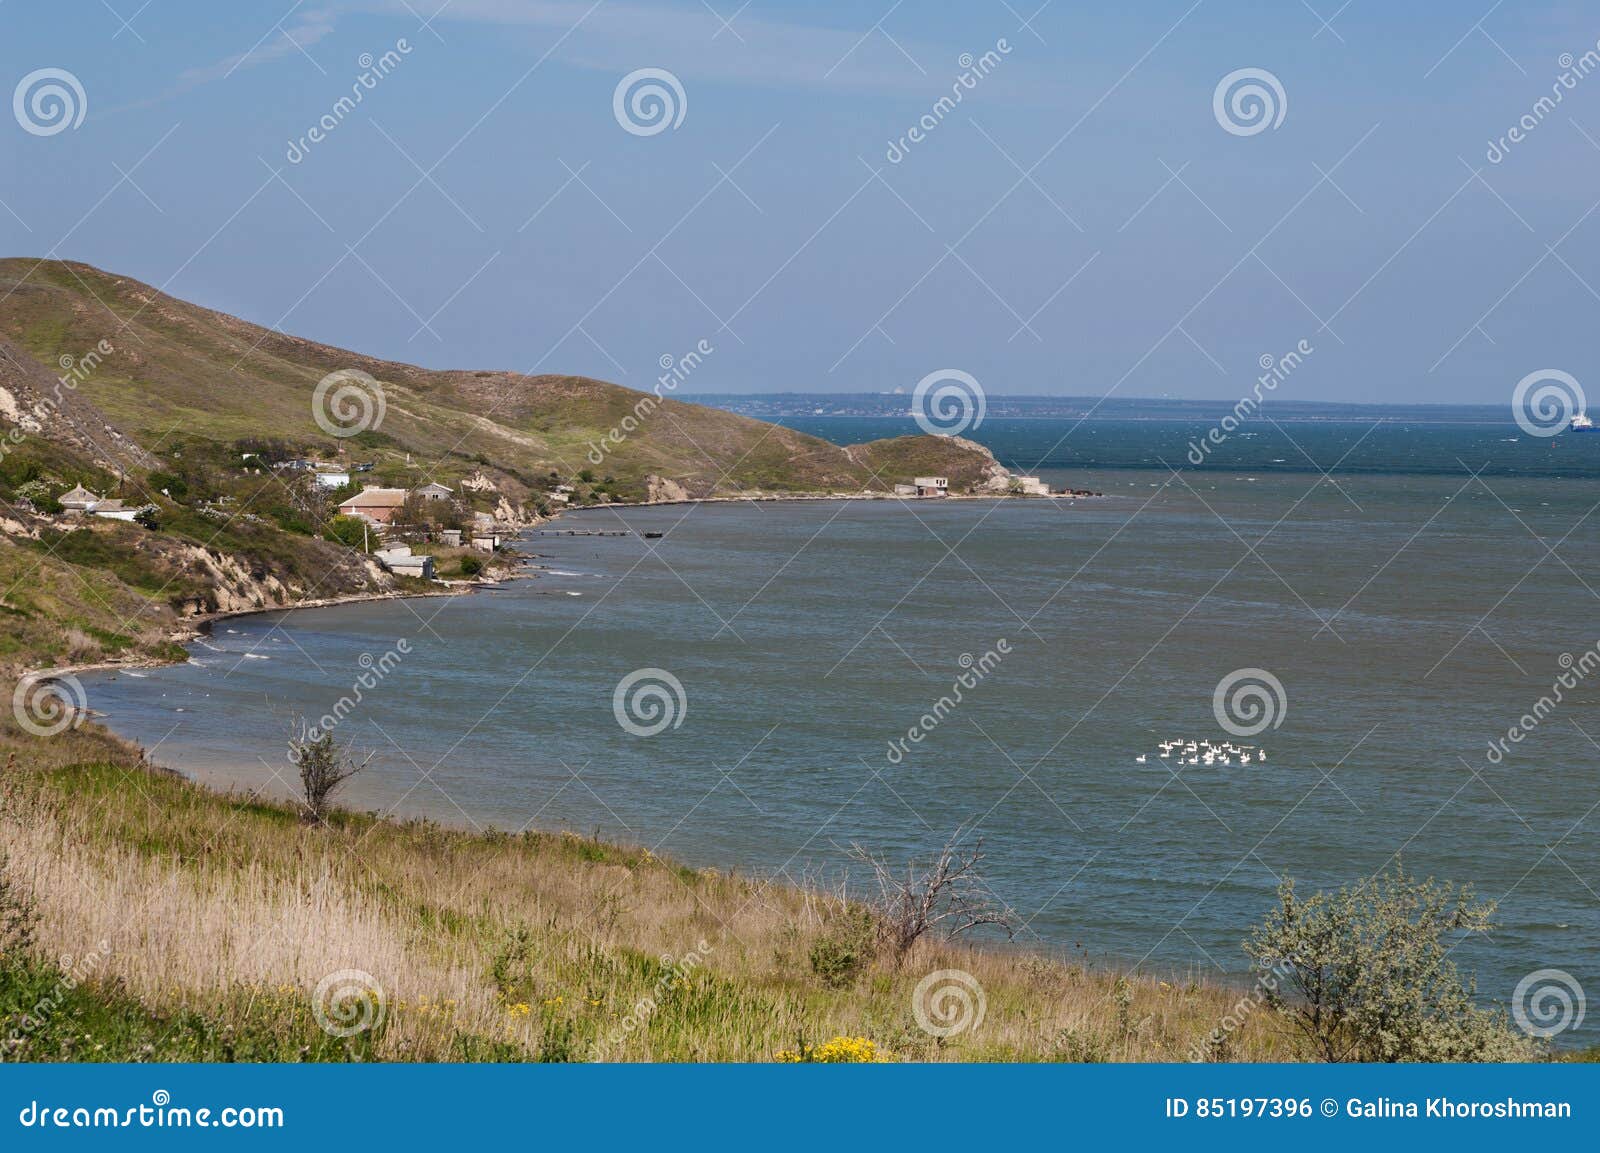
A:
(48, 1014)
(491, 946)
(220, 380)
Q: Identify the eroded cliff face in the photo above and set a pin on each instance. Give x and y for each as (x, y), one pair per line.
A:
(234, 587)
(661, 488)
(996, 477)
(41, 403)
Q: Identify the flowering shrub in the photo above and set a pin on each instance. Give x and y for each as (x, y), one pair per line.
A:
(839, 1051)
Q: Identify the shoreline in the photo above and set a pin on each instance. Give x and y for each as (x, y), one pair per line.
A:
(203, 622)
(203, 625)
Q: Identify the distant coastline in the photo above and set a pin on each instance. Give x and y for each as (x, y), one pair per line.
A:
(892, 405)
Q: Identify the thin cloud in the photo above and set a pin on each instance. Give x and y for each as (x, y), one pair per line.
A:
(750, 50)
(279, 42)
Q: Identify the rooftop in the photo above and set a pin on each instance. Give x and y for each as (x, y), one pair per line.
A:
(374, 497)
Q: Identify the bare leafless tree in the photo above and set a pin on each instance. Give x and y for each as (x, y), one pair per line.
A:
(324, 766)
(948, 893)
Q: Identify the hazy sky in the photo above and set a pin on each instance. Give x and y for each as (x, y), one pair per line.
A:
(1080, 222)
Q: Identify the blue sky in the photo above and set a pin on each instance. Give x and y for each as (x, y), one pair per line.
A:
(1081, 223)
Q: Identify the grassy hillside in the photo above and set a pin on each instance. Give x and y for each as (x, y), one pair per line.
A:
(202, 925)
(178, 366)
(107, 383)
(146, 918)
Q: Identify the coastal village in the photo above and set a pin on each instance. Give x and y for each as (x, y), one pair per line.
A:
(392, 520)
(409, 530)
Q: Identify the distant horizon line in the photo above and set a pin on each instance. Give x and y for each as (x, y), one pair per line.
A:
(1100, 400)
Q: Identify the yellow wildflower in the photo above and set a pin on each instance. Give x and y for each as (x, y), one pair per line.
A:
(839, 1051)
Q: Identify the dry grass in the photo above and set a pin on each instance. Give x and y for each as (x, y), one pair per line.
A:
(537, 946)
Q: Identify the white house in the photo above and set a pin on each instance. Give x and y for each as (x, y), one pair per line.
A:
(932, 485)
(78, 499)
(330, 478)
(113, 510)
(403, 562)
(432, 491)
(1030, 486)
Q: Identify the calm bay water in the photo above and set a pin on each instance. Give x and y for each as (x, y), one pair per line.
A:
(1411, 616)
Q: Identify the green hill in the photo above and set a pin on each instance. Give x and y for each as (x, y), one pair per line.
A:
(178, 365)
(191, 414)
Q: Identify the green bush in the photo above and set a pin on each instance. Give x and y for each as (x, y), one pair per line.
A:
(1365, 974)
(841, 951)
(170, 483)
(471, 566)
(350, 531)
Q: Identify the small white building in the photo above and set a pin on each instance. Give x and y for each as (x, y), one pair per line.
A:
(432, 491)
(1030, 486)
(330, 479)
(401, 561)
(932, 485)
(113, 510)
(905, 490)
(78, 499)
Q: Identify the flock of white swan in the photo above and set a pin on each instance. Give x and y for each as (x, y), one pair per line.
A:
(1206, 753)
